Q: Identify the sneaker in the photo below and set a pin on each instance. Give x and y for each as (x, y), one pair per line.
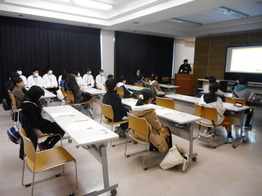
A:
(205, 134)
(248, 126)
(186, 163)
(230, 140)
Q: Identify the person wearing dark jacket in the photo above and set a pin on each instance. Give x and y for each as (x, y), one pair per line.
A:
(121, 83)
(32, 110)
(19, 91)
(112, 98)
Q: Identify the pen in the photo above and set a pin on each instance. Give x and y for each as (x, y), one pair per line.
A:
(65, 115)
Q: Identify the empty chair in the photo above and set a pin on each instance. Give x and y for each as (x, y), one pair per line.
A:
(165, 80)
(165, 102)
(138, 84)
(44, 160)
(234, 100)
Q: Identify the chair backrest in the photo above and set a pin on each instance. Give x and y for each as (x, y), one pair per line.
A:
(206, 112)
(138, 84)
(147, 79)
(233, 100)
(165, 79)
(138, 124)
(168, 103)
(13, 100)
(28, 146)
(120, 91)
(107, 111)
(63, 91)
(70, 96)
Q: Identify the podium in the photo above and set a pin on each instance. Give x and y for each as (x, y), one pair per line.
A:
(186, 83)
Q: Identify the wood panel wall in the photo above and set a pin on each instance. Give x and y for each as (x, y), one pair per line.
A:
(210, 52)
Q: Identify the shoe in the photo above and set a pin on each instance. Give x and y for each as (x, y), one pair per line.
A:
(209, 139)
(42, 146)
(230, 140)
(186, 163)
(205, 134)
(91, 112)
(248, 126)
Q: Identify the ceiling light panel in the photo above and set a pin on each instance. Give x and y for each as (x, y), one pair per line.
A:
(93, 4)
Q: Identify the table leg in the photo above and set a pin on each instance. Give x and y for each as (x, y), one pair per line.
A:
(238, 140)
(112, 188)
(191, 138)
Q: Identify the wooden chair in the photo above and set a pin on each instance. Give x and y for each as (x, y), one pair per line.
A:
(138, 84)
(233, 100)
(165, 80)
(44, 160)
(210, 114)
(120, 92)
(139, 125)
(14, 109)
(147, 79)
(108, 113)
(165, 102)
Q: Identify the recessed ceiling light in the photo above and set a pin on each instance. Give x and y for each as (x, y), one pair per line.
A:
(178, 20)
(136, 22)
(93, 4)
(231, 12)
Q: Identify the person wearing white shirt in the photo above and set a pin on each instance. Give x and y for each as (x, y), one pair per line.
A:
(79, 79)
(100, 80)
(50, 81)
(19, 71)
(35, 79)
(88, 79)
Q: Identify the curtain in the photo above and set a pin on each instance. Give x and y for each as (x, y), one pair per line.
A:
(32, 44)
(150, 54)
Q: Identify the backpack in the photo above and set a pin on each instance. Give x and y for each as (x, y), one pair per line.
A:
(14, 135)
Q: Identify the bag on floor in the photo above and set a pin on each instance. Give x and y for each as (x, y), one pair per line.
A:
(14, 135)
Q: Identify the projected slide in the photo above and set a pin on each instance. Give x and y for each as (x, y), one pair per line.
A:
(244, 59)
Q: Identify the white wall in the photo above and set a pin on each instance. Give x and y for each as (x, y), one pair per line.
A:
(184, 49)
(107, 51)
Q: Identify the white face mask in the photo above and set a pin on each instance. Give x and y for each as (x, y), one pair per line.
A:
(89, 73)
(50, 72)
(78, 74)
(102, 73)
(19, 72)
(36, 74)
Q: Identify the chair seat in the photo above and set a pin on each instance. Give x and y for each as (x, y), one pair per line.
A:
(106, 121)
(133, 137)
(56, 157)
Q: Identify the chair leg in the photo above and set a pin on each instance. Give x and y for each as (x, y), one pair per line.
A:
(144, 158)
(33, 184)
(23, 173)
(76, 177)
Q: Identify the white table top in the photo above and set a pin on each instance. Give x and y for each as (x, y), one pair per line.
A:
(196, 100)
(134, 88)
(168, 86)
(167, 114)
(93, 91)
(82, 129)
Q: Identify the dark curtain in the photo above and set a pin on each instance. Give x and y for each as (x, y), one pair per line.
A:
(151, 54)
(29, 44)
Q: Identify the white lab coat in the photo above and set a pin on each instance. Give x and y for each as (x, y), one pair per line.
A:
(31, 81)
(100, 82)
(49, 81)
(88, 80)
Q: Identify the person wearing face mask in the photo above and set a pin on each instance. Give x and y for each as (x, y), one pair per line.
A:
(50, 81)
(88, 79)
(19, 91)
(79, 79)
(19, 71)
(100, 80)
(35, 79)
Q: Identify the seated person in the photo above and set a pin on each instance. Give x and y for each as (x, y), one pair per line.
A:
(241, 91)
(19, 91)
(155, 83)
(138, 76)
(50, 81)
(212, 79)
(211, 99)
(110, 76)
(35, 79)
(9, 86)
(121, 83)
(19, 71)
(79, 95)
(100, 80)
(112, 98)
(159, 135)
(32, 110)
(79, 79)
(88, 79)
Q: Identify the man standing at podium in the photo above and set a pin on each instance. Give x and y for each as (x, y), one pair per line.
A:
(185, 68)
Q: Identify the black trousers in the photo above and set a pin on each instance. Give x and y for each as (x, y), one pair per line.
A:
(52, 128)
